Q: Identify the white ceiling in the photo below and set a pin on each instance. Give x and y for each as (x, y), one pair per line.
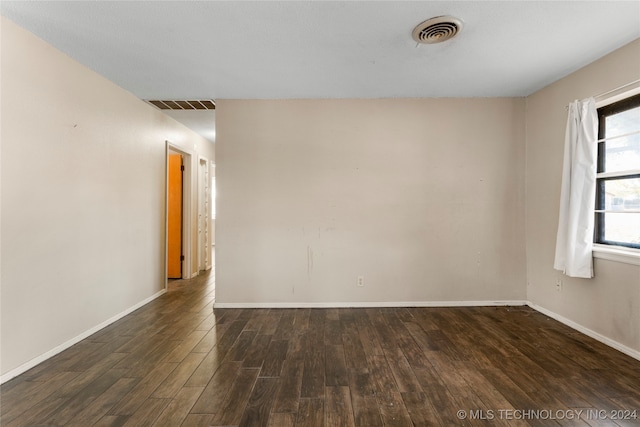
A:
(328, 49)
(200, 121)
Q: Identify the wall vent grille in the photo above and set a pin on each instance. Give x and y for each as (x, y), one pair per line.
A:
(200, 104)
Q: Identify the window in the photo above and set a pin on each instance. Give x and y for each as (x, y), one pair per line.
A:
(617, 219)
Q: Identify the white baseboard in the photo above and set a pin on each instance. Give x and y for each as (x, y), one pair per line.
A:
(37, 360)
(599, 337)
(367, 304)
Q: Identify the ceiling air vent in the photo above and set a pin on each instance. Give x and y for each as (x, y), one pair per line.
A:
(201, 104)
(437, 30)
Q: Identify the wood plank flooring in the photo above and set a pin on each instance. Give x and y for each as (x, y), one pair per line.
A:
(178, 362)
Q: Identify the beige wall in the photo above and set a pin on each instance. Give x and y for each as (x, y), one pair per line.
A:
(609, 304)
(422, 197)
(83, 198)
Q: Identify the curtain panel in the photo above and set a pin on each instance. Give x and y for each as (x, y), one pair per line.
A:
(574, 241)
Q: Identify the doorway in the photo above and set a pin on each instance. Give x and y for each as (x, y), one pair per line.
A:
(175, 205)
(178, 214)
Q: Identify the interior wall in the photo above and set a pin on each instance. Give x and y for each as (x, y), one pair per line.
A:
(608, 304)
(83, 198)
(422, 197)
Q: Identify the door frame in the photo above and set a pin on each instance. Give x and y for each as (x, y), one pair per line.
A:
(187, 188)
(203, 186)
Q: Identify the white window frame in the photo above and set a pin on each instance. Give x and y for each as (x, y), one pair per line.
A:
(621, 254)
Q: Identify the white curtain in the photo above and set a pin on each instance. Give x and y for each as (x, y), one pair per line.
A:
(574, 241)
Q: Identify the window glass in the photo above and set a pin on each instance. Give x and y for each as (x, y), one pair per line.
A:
(621, 194)
(622, 154)
(623, 122)
(621, 227)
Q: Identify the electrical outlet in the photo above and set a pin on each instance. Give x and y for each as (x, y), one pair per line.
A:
(360, 281)
(558, 285)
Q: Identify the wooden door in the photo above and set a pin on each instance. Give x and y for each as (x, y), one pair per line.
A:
(174, 217)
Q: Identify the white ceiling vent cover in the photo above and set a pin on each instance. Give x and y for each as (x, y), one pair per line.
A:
(437, 30)
(199, 104)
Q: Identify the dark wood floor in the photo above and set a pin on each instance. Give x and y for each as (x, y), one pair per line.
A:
(177, 362)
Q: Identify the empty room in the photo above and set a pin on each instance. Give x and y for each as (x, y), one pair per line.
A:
(320, 213)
